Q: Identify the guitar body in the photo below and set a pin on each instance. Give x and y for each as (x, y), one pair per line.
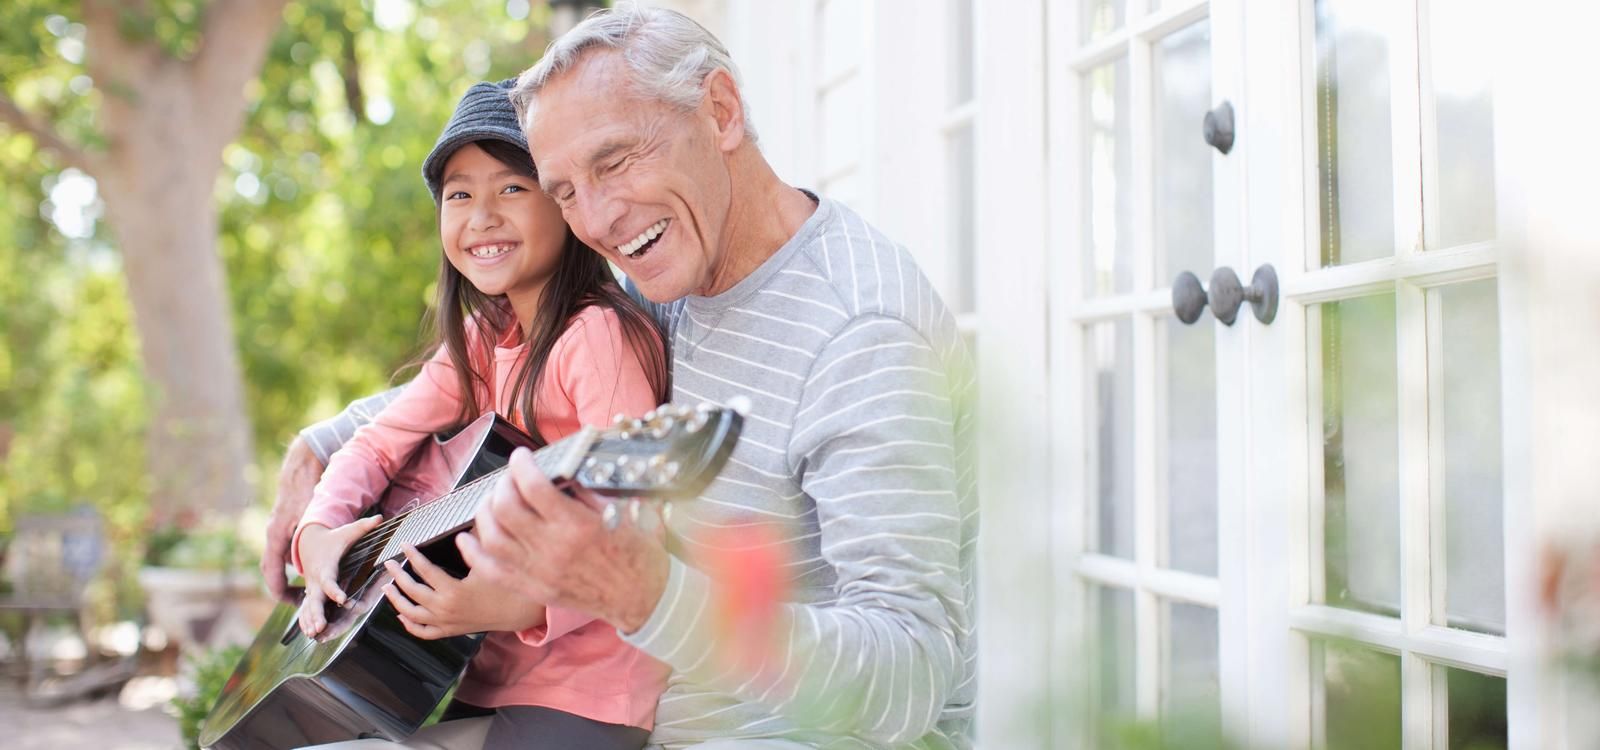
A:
(365, 676)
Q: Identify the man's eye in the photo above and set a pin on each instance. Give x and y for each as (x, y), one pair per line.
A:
(615, 166)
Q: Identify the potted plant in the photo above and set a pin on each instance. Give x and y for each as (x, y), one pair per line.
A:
(201, 586)
(205, 673)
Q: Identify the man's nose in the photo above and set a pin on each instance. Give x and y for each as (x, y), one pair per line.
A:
(597, 213)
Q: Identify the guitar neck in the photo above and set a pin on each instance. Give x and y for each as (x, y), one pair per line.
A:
(455, 510)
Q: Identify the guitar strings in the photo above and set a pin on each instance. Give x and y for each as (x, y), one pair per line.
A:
(370, 546)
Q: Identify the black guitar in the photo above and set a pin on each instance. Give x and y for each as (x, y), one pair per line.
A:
(365, 676)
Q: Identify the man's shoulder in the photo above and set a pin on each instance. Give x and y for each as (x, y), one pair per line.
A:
(868, 274)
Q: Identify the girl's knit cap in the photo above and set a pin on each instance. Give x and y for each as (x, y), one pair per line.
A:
(485, 112)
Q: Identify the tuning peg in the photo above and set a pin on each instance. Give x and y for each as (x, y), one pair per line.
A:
(661, 426)
(598, 472)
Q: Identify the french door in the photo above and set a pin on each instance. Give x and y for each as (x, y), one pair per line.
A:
(1289, 526)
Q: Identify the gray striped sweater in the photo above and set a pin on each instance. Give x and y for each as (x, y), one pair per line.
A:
(858, 450)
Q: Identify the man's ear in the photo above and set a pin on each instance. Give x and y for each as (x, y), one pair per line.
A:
(722, 98)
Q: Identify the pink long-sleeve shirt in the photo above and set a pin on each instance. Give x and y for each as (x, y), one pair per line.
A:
(573, 662)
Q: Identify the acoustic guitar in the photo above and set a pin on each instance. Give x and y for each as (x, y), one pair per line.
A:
(364, 675)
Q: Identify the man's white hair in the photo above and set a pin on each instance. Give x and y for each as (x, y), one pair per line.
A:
(667, 54)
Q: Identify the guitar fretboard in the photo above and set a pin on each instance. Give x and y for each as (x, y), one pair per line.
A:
(456, 509)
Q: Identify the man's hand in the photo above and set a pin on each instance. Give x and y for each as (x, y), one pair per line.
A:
(296, 480)
(441, 605)
(532, 537)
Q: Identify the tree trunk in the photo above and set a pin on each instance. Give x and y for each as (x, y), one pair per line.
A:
(167, 121)
(159, 197)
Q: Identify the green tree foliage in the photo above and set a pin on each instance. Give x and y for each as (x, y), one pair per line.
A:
(328, 234)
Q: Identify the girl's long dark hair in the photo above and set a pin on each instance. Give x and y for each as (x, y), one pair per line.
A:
(581, 278)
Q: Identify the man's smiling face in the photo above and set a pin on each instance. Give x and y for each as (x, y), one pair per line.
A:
(642, 182)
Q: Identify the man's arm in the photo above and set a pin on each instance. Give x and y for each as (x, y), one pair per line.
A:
(303, 464)
(875, 433)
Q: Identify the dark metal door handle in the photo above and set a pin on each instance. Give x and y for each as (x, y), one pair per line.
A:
(1227, 294)
(1218, 127)
(1188, 298)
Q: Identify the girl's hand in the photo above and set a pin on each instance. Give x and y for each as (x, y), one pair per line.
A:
(441, 605)
(320, 550)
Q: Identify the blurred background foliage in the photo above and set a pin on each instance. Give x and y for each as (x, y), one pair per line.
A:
(327, 232)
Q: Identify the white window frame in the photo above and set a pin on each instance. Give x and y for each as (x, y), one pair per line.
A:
(1269, 548)
(1077, 569)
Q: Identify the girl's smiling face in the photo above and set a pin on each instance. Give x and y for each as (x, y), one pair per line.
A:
(498, 229)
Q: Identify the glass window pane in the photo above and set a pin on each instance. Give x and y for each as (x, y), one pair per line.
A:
(1477, 710)
(1467, 384)
(1108, 264)
(1191, 713)
(1182, 74)
(845, 189)
(841, 38)
(1459, 34)
(1360, 433)
(1353, 130)
(960, 36)
(1189, 447)
(1113, 648)
(1361, 694)
(1101, 17)
(841, 126)
(963, 231)
(1111, 359)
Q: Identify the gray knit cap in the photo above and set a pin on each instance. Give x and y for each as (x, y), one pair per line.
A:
(485, 112)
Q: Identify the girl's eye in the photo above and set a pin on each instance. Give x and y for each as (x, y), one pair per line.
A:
(514, 189)
(457, 195)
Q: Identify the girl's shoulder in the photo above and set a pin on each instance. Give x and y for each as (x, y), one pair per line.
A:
(593, 325)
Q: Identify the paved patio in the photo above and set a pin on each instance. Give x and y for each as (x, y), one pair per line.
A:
(134, 719)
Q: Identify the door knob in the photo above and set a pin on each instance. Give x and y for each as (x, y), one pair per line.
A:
(1218, 127)
(1188, 298)
(1227, 294)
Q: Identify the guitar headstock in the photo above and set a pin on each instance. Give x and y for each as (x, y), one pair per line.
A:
(672, 452)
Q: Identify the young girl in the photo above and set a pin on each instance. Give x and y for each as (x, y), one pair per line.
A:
(533, 325)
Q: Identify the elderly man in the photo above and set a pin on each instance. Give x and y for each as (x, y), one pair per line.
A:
(855, 462)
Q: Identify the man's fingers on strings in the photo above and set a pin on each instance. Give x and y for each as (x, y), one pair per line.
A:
(532, 487)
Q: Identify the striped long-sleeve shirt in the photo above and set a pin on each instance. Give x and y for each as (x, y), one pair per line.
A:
(326, 437)
(858, 449)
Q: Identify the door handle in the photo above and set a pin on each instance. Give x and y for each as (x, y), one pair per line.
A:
(1226, 295)
(1217, 127)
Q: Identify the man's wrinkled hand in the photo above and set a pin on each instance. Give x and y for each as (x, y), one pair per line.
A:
(296, 480)
(554, 548)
